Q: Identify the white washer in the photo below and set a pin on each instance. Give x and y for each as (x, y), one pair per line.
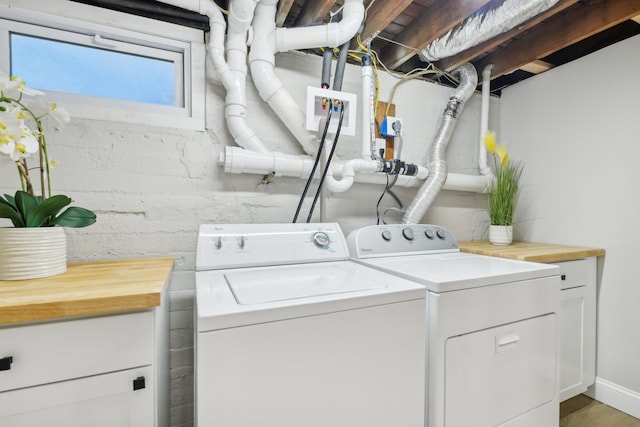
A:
(290, 332)
(491, 326)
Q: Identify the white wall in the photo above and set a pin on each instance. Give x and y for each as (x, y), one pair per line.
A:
(151, 187)
(577, 128)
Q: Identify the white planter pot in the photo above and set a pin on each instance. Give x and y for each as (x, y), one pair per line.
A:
(29, 253)
(501, 234)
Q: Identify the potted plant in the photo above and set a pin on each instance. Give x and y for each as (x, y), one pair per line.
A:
(504, 192)
(36, 244)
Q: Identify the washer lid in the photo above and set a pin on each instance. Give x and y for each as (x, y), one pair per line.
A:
(230, 298)
(258, 287)
(446, 272)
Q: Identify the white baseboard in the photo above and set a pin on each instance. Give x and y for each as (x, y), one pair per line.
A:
(616, 396)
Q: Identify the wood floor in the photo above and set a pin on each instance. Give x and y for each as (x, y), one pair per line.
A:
(582, 411)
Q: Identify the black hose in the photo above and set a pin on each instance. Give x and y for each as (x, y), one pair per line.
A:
(315, 166)
(328, 165)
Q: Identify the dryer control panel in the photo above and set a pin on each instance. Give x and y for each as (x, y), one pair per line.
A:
(400, 239)
(248, 245)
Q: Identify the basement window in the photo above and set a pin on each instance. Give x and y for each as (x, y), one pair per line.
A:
(103, 72)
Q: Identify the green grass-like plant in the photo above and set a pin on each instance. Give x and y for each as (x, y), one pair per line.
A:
(505, 188)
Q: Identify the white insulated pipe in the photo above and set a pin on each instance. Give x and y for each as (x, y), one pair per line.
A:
(240, 16)
(366, 109)
(484, 120)
(232, 72)
(333, 34)
(268, 40)
(238, 161)
(270, 87)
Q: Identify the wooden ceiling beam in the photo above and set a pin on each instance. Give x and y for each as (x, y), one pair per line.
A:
(433, 23)
(561, 30)
(314, 11)
(537, 67)
(284, 7)
(454, 61)
(380, 15)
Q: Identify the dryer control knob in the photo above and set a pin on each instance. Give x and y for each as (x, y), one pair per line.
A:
(429, 233)
(440, 234)
(321, 240)
(407, 233)
(386, 235)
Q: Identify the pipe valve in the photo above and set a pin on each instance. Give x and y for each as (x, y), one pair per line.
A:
(398, 167)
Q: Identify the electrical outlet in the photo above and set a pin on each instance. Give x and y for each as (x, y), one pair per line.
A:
(320, 100)
(391, 127)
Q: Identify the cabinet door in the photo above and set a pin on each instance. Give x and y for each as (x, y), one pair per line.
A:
(577, 341)
(107, 400)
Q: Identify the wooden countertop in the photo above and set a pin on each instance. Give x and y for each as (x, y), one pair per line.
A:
(86, 288)
(529, 251)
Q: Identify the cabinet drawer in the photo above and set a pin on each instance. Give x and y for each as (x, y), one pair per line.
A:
(106, 400)
(581, 272)
(45, 353)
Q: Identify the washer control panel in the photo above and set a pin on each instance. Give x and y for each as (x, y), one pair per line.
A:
(242, 245)
(399, 239)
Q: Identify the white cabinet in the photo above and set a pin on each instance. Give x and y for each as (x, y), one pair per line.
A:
(577, 326)
(96, 371)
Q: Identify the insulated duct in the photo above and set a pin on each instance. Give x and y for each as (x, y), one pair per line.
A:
(482, 26)
(437, 165)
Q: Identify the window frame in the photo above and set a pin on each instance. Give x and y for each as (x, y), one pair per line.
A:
(87, 25)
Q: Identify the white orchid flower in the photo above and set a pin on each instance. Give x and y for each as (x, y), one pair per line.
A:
(26, 145)
(16, 139)
(12, 87)
(59, 114)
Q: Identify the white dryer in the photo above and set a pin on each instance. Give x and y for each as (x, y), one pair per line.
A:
(491, 327)
(290, 332)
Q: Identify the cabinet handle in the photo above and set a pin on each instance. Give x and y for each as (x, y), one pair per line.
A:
(139, 383)
(5, 363)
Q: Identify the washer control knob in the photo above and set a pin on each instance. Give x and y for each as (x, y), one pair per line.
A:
(386, 235)
(241, 241)
(321, 239)
(429, 233)
(218, 243)
(407, 233)
(440, 234)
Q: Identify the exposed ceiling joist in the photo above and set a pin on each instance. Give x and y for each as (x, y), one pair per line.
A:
(380, 15)
(433, 23)
(537, 67)
(314, 11)
(561, 30)
(452, 62)
(284, 6)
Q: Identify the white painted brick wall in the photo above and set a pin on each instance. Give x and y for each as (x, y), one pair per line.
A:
(152, 187)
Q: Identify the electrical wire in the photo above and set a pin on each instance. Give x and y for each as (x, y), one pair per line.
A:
(387, 190)
(315, 166)
(328, 165)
